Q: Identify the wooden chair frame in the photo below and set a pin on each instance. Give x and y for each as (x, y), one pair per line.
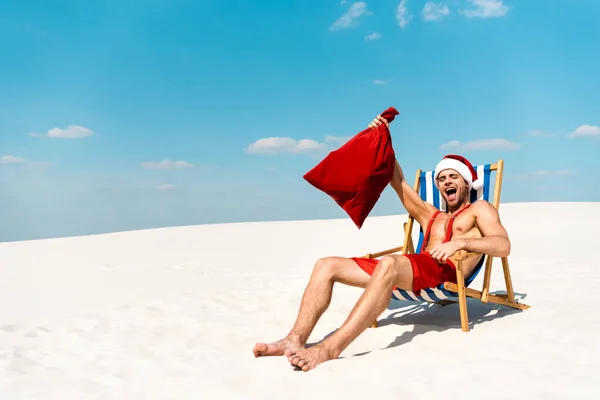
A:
(463, 292)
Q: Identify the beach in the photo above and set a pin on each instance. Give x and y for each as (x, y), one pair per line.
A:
(174, 313)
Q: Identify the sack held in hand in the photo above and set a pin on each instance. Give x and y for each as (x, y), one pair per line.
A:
(356, 174)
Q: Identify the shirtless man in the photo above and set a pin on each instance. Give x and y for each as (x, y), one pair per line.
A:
(473, 227)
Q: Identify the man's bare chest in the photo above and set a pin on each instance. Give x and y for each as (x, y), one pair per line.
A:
(444, 227)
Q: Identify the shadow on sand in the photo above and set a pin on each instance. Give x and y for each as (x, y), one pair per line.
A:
(428, 317)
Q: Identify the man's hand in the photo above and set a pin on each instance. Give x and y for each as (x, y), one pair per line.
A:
(443, 251)
(378, 121)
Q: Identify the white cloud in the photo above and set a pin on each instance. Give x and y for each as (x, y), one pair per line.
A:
(281, 145)
(450, 145)
(481, 144)
(350, 17)
(402, 14)
(71, 132)
(166, 164)
(165, 187)
(539, 133)
(8, 159)
(585, 131)
(372, 36)
(486, 9)
(535, 133)
(286, 145)
(379, 82)
(337, 140)
(435, 11)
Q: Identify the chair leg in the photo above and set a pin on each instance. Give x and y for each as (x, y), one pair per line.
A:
(486, 280)
(508, 280)
(492, 298)
(462, 298)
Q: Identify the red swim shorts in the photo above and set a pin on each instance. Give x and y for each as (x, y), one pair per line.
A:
(426, 271)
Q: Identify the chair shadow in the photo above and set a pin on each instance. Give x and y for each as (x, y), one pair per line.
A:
(428, 317)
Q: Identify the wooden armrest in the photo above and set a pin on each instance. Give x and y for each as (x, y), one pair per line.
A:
(384, 252)
(467, 255)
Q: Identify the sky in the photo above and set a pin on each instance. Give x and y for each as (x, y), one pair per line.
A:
(121, 114)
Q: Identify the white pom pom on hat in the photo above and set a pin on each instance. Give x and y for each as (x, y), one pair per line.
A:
(462, 166)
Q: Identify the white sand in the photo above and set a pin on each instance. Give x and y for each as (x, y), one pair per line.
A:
(174, 314)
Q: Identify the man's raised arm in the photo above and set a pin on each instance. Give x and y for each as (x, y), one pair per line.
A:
(417, 207)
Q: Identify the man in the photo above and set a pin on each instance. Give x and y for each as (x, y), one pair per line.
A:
(470, 227)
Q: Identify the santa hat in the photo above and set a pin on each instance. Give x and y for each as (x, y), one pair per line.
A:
(462, 166)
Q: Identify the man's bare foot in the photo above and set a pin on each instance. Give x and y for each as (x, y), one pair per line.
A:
(307, 359)
(277, 348)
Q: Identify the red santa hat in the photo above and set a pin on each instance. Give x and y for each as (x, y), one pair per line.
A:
(462, 166)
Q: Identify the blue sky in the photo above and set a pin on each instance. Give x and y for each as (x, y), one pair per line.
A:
(120, 115)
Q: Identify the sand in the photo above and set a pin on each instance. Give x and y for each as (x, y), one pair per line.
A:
(174, 313)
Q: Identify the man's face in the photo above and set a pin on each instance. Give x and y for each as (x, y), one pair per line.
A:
(453, 187)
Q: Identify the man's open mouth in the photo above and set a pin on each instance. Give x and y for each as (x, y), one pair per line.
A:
(451, 193)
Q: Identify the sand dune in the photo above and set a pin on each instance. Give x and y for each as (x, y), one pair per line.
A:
(173, 314)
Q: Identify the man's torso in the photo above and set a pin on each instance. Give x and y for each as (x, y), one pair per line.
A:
(464, 226)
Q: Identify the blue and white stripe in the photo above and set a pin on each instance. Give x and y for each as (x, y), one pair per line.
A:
(431, 194)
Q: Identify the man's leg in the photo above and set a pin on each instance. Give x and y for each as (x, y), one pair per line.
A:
(393, 270)
(315, 301)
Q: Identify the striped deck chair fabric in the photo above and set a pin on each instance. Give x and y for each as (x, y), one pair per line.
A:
(431, 194)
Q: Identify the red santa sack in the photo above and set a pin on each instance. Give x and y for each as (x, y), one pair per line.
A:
(356, 174)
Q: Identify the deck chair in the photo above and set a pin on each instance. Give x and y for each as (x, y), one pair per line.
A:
(449, 292)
